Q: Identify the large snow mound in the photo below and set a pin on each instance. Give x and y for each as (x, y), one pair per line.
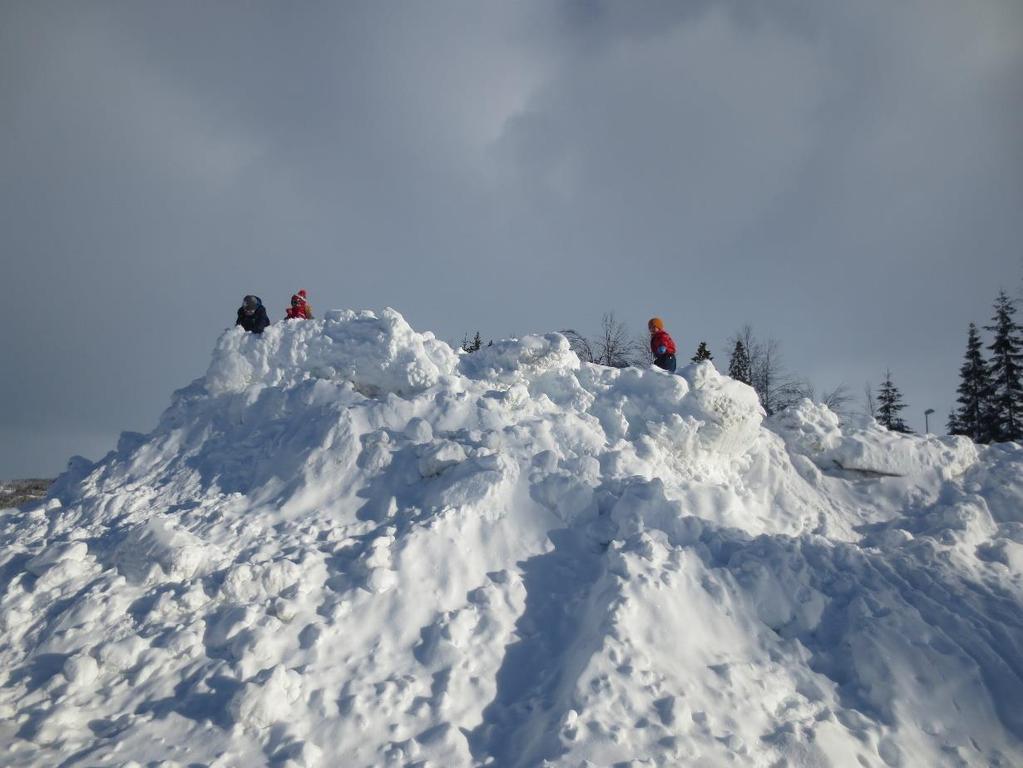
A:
(350, 545)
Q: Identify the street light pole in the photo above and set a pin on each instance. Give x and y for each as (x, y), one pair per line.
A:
(927, 424)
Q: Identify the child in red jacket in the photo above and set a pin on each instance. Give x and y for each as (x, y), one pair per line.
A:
(661, 345)
(300, 309)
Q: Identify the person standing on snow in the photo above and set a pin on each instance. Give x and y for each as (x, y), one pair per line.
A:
(661, 345)
(252, 315)
(300, 309)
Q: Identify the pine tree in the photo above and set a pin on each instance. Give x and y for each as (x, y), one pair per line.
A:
(739, 366)
(889, 403)
(973, 417)
(952, 425)
(702, 353)
(1006, 369)
(474, 345)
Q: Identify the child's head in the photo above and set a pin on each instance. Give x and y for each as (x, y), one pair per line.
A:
(655, 324)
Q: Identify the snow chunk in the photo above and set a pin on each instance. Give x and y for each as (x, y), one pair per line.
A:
(68, 558)
(81, 670)
(440, 456)
(272, 698)
(246, 582)
(419, 430)
(158, 542)
(512, 361)
(808, 428)
(730, 410)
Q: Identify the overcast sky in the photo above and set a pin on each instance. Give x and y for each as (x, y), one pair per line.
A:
(846, 176)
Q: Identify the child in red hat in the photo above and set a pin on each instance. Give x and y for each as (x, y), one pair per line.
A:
(300, 309)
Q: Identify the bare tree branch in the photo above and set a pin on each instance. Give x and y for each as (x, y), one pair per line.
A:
(775, 386)
(580, 345)
(613, 347)
(837, 399)
(869, 408)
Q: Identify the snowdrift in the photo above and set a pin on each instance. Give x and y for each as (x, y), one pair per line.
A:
(350, 545)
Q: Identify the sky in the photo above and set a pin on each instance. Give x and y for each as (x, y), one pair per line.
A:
(846, 177)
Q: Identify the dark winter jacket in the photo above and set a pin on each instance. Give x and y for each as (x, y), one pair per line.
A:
(667, 362)
(254, 322)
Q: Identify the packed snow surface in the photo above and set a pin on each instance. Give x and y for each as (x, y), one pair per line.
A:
(349, 545)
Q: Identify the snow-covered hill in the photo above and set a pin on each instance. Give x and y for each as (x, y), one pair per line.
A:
(348, 545)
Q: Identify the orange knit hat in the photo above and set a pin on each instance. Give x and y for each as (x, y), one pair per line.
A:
(655, 324)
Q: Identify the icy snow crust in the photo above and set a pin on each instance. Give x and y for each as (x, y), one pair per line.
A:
(348, 545)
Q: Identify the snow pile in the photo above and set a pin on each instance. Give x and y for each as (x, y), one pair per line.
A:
(377, 354)
(813, 430)
(349, 545)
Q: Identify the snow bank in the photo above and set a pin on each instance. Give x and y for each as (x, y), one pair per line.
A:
(813, 431)
(377, 354)
(350, 545)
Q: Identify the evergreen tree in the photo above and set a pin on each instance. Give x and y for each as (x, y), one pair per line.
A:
(1006, 370)
(474, 345)
(952, 425)
(889, 403)
(973, 417)
(739, 366)
(702, 353)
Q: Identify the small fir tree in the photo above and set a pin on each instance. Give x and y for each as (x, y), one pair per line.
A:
(1005, 370)
(889, 403)
(973, 417)
(702, 353)
(739, 367)
(474, 345)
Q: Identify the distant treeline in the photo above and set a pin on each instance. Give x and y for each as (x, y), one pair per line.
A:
(990, 390)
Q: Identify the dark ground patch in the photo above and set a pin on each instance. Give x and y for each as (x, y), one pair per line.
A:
(14, 493)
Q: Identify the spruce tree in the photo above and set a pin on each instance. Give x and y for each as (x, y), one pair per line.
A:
(952, 425)
(889, 403)
(739, 366)
(702, 353)
(1006, 369)
(973, 417)
(474, 345)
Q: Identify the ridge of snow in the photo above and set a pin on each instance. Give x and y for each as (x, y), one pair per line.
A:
(349, 544)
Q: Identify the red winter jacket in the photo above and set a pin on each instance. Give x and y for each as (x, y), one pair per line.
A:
(299, 309)
(301, 312)
(662, 339)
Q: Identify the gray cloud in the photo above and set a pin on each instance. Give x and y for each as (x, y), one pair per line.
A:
(846, 176)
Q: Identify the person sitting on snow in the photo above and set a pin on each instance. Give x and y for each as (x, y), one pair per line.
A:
(661, 345)
(252, 315)
(300, 309)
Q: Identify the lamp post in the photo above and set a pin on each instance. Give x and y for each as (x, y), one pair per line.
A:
(927, 413)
